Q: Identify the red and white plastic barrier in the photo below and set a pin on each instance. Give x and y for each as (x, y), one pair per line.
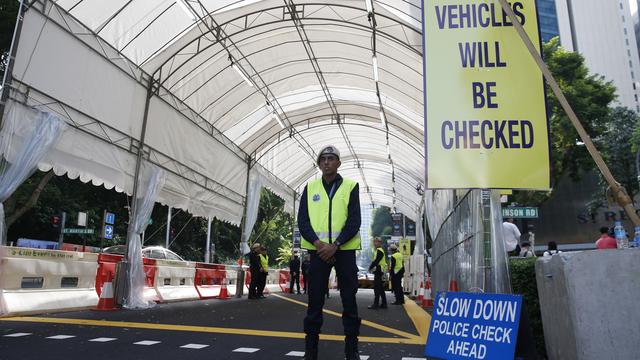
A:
(175, 280)
(284, 280)
(37, 280)
(209, 279)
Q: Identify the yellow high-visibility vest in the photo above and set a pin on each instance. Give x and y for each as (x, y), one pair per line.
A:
(264, 262)
(319, 206)
(399, 262)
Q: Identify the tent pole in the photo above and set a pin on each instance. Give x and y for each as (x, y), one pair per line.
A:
(8, 77)
(244, 211)
(167, 238)
(123, 270)
(207, 247)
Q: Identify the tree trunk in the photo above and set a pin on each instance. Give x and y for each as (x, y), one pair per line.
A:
(33, 200)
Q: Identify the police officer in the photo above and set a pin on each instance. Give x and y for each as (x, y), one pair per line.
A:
(397, 273)
(294, 272)
(378, 266)
(264, 271)
(254, 267)
(329, 221)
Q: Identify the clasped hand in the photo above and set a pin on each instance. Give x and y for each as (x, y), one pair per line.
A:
(326, 251)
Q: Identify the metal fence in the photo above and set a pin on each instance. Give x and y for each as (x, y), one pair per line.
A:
(468, 248)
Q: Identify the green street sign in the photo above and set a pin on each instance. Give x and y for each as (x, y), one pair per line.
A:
(77, 231)
(520, 212)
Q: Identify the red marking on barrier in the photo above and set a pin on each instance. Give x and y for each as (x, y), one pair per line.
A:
(284, 280)
(209, 280)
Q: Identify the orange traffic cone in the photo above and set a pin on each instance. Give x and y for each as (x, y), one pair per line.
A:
(106, 302)
(453, 285)
(421, 292)
(224, 294)
(427, 301)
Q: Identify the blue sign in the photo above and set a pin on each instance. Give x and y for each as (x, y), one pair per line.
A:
(108, 231)
(474, 326)
(110, 218)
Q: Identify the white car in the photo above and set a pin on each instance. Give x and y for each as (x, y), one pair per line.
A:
(151, 252)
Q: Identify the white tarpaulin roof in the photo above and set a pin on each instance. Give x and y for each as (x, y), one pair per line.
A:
(102, 65)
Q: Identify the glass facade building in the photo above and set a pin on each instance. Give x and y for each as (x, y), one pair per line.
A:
(548, 19)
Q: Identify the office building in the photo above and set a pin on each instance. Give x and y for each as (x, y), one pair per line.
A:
(603, 32)
(548, 19)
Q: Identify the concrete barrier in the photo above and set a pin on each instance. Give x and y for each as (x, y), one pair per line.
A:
(40, 281)
(174, 280)
(589, 304)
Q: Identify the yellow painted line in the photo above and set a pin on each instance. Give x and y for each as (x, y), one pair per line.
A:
(203, 329)
(364, 322)
(421, 319)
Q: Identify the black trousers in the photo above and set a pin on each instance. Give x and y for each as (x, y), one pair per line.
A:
(378, 290)
(295, 278)
(262, 282)
(396, 284)
(253, 284)
(305, 282)
(347, 273)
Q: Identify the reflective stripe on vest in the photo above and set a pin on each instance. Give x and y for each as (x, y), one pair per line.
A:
(383, 262)
(399, 262)
(318, 205)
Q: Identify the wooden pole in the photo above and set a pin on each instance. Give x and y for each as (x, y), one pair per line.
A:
(618, 190)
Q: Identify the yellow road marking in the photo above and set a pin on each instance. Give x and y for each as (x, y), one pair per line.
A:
(204, 329)
(364, 322)
(421, 319)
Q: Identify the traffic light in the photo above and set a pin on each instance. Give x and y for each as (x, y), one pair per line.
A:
(173, 232)
(55, 220)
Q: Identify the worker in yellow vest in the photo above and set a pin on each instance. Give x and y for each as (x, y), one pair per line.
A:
(264, 271)
(329, 222)
(397, 273)
(378, 267)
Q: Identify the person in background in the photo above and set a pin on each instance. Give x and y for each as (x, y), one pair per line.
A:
(305, 272)
(397, 273)
(552, 249)
(605, 241)
(254, 267)
(526, 250)
(511, 237)
(264, 271)
(294, 272)
(378, 266)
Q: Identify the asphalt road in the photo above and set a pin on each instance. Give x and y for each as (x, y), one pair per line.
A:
(212, 329)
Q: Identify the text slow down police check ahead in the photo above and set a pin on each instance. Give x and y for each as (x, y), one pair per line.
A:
(473, 326)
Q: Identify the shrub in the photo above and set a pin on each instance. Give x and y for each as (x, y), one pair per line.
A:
(523, 282)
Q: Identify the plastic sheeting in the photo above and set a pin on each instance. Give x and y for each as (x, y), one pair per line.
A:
(25, 141)
(105, 53)
(253, 204)
(460, 251)
(151, 180)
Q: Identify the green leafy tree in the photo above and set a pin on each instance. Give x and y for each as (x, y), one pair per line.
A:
(590, 97)
(619, 147)
(284, 253)
(381, 222)
(8, 13)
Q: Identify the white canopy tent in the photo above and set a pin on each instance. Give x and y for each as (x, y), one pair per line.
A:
(208, 89)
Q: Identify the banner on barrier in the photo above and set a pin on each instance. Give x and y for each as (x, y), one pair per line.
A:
(486, 122)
